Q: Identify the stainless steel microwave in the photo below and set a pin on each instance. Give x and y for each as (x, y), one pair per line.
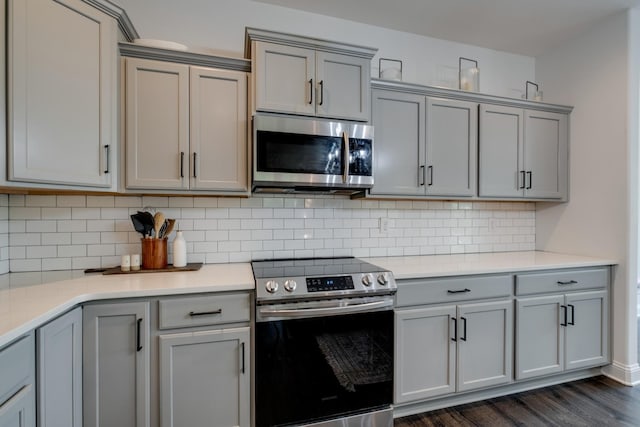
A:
(303, 154)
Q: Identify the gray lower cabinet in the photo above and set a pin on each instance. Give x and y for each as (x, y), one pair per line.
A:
(59, 361)
(424, 146)
(566, 327)
(17, 384)
(205, 378)
(116, 364)
(453, 348)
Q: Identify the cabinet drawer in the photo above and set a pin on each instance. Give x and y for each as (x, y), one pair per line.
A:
(204, 310)
(435, 291)
(562, 281)
(17, 363)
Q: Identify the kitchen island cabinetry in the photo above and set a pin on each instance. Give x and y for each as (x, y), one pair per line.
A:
(186, 127)
(59, 361)
(204, 357)
(568, 314)
(424, 146)
(17, 388)
(116, 365)
(523, 153)
(443, 349)
(62, 87)
(311, 77)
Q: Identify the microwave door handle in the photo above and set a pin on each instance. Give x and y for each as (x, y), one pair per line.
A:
(345, 175)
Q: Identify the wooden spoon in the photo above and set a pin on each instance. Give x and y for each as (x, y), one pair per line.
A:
(158, 220)
(170, 224)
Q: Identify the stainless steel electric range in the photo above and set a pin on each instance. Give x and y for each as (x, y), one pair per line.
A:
(324, 343)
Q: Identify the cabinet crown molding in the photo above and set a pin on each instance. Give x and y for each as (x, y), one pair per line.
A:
(468, 96)
(120, 15)
(255, 34)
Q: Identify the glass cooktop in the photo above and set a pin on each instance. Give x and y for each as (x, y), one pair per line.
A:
(305, 267)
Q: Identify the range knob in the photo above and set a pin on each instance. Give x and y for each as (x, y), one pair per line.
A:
(271, 286)
(382, 279)
(367, 280)
(290, 285)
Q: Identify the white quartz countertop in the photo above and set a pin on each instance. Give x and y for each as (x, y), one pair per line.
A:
(414, 267)
(28, 300)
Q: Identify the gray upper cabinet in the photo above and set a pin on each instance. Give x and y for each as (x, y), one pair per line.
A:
(62, 103)
(311, 77)
(523, 153)
(205, 378)
(116, 365)
(186, 127)
(424, 146)
(60, 371)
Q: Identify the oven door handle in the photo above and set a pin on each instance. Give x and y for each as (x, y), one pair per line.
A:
(325, 311)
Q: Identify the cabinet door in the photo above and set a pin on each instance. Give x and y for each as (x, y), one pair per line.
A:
(62, 93)
(60, 371)
(500, 151)
(116, 365)
(157, 124)
(587, 340)
(19, 411)
(545, 154)
(399, 155)
(205, 378)
(485, 344)
(539, 336)
(218, 115)
(343, 86)
(284, 78)
(452, 145)
(425, 353)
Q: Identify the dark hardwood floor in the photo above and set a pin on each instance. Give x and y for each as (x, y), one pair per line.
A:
(597, 401)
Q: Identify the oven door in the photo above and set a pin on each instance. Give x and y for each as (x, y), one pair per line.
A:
(310, 369)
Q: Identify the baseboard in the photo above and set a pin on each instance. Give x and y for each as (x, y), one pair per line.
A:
(628, 375)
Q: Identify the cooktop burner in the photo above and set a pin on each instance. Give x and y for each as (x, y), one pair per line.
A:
(290, 279)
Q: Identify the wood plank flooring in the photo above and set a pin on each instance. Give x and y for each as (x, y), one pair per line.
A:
(597, 401)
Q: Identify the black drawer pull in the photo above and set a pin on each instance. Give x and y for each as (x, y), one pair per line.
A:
(205, 313)
(567, 282)
(461, 291)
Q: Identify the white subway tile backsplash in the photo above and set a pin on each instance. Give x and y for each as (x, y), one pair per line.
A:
(61, 232)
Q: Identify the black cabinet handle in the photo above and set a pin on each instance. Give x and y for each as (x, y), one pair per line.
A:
(567, 282)
(430, 170)
(455, 329)
(182, 164)
(310, 91)
(421, 175)
(242, 348)
(530, 174)
(205, 313)
(195, 158)
(522, 179)
(461, 291)
(321, 92)
(573, 314)
(464, 328)
(107, 152)
(138, 335)
(564, 309)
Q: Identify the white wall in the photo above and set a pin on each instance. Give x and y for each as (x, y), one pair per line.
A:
(220, 25)
(591, 72)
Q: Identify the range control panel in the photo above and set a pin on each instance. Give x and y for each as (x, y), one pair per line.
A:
(324, 284)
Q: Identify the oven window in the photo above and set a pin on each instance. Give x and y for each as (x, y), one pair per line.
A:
(320, 368)
(299, 153)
